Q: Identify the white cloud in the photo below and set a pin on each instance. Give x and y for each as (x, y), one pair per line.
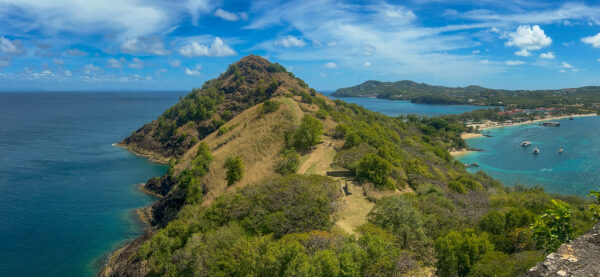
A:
(136, 63)
(192, 72)
(90, 68)
(513, 63)
(485, 61)
(566, 65)
(407, 51)
(367, 64)
(549, 55)
(114, 63)
(175, 63)
(218, 48)
(523, 53)
(14, 47)
(58, 62)
(528, 38)
(144, 45)
(476, 52)
(290, 41)
(331, 65)
(598, 59)
(225, 15)
(593, 40)
(76, 52)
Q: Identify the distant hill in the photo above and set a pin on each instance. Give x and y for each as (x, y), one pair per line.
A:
(474, 95)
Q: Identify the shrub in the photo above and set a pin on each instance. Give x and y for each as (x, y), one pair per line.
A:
(595, 208)
(308, 133)
(399, 217)
(493, 222)
(235, 169)
(553, 228)
(269, 106)
(289, 162)
(376, 170)
(202, 160)
(457, 252)
(322, 114)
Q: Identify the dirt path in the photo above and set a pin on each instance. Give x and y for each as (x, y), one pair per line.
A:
(320, 159)
(354, 210)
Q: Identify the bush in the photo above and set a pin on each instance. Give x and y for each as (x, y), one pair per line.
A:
(235, 169)
(308, 133)
(376, 170)
(289, 162)
(553, 228)
(202, 160)
(595, 208)
(493, 222)
(269, 106)
(399, 217)
(457, 252)
(322, 114)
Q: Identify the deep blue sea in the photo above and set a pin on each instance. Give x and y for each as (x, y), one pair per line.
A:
(575, 171)
(67, 196)
(398, 107)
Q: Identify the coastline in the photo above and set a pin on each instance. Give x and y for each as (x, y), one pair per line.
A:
(494, 125)
(151, 156)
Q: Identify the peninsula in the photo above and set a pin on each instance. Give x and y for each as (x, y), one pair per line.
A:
(267, 177)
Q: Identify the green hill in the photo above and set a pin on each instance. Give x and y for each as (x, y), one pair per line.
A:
(278, 180)
(583, 97)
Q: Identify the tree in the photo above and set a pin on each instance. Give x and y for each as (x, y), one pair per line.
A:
(235, 169)
(458, 252)
(308, 133)
(553, 228)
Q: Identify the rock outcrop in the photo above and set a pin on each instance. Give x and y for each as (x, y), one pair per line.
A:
(581, 257)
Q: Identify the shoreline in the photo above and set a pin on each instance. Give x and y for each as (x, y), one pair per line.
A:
(151, 156)
(495, 125)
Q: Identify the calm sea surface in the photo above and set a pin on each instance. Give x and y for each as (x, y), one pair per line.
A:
(575, 171)
(398, 107)
(67, 197)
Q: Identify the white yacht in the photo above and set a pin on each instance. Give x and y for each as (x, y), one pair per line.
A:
(535, 151)
(560, 151)
(526, 143)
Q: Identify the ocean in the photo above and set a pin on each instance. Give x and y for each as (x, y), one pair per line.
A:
(575, 172)
(67, 196)
(401, 107)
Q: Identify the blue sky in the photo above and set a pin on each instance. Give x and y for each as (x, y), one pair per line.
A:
(177, 45)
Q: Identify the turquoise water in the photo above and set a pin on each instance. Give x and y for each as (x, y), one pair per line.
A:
(67, 197)
(576, 171)
(399, 107)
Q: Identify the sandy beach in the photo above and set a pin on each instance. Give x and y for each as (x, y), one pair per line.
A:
(492, 125)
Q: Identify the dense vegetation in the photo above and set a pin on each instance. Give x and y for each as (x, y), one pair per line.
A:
(577, 98)
(446, 221)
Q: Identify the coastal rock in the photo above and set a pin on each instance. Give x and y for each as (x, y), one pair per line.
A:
(578, 258)
(124, 261)
(160, 186)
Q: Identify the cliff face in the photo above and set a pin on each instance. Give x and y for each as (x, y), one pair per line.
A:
(578, 258)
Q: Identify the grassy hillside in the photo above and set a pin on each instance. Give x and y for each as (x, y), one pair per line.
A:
(244, 84)
(253, 197)
(584, 97)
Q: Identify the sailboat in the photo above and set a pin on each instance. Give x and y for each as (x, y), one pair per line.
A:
(535, 151)
(526, 143)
